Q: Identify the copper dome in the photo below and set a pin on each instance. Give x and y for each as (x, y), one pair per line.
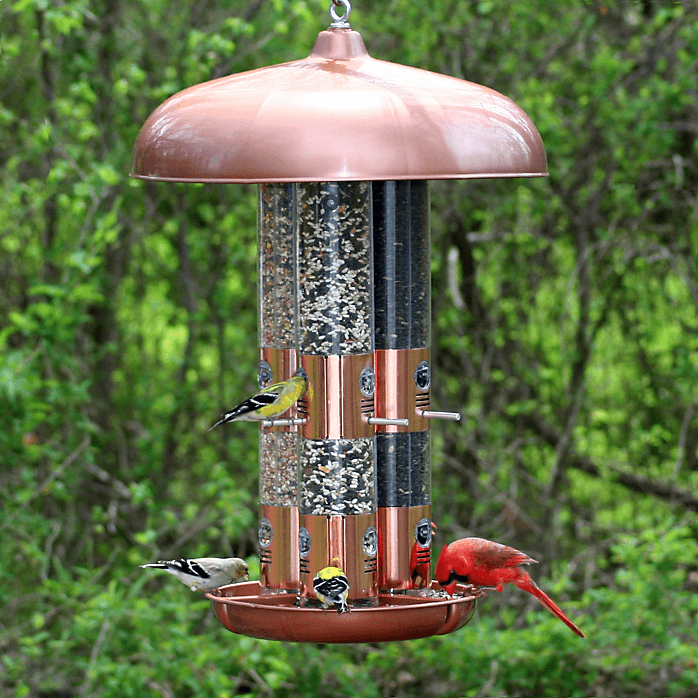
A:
(337, 115)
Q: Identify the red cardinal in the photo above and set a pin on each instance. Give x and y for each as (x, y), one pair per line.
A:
(484, 563)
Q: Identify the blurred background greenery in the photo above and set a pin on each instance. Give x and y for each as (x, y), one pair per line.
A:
(565, 331)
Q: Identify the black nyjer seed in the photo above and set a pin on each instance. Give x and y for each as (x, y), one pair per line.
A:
(402, 272)
(404, 473)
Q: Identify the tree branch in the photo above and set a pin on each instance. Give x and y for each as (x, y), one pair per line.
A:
(636, 483)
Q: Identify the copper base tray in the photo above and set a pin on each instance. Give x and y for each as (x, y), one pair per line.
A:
(242, 609)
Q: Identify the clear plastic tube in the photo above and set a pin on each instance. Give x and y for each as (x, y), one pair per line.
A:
(277, 266)
(335, 299)
(278, 468)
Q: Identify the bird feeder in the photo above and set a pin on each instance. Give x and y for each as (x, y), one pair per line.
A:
(342, 146)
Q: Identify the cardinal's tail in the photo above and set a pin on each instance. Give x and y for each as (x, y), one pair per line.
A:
(527, 584)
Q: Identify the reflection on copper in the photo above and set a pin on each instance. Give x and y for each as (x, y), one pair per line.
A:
(337, 115)
(336, 550)
(397, 395)
(337, 409)
(279, 560)
(244, 609)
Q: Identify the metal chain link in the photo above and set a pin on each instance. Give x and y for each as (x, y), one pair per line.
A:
(337, 21)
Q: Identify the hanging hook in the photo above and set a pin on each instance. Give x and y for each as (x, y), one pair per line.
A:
(340, 22)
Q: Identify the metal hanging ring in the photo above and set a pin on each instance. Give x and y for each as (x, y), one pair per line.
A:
(337, 21)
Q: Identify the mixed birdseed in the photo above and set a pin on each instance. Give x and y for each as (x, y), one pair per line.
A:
(334, 268)
(402, 273)
(337, 476)
(277, 266)
(278, 468)
(403, 471)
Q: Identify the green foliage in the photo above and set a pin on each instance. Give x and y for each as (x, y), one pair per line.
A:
(648, 614)
(566, 332)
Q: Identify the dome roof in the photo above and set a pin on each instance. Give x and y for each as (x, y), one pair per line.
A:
(337, 115)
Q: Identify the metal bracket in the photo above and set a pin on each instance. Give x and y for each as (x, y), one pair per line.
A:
(384, 421)
(448, 416)
(283, 422)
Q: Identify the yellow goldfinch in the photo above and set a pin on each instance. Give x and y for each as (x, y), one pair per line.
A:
(269, 402)
(331, 586)
(204, 573)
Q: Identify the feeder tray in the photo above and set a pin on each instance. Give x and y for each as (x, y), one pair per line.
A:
(244, 609)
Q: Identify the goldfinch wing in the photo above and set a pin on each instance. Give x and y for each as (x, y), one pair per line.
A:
(333, 587)
(183, 565)
(262, 399)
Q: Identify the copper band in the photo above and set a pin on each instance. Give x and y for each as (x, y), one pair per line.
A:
(397, 395)
(396, 539)
(337, 409)
(340, 537)
(283, 363)
(279, 558)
